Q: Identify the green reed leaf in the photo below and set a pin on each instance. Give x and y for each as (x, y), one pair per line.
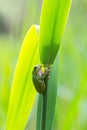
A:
(23, 93)
(52, 24)
(51, 99)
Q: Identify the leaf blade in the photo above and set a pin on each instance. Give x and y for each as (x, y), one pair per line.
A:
(23, 93)
(52, 24)
(52, 95)
(51, 99)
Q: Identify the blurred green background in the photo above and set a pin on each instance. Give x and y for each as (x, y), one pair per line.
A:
(16, 16)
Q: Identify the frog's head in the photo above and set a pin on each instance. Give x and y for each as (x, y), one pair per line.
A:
(37, 68)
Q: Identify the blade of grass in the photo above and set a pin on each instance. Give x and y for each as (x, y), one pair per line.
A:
(53, 19)
(51, 99)
(23, 93)
(52, 95)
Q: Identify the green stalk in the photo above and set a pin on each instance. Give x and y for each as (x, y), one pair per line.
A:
(44, 107)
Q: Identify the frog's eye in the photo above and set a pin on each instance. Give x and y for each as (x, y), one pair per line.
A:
(35, 68)
(38, 67)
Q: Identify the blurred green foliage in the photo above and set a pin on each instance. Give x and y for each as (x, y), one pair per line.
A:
(8, 57)
(71, 107)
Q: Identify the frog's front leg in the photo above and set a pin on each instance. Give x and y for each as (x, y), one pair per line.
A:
(44, 75)
(46, 72)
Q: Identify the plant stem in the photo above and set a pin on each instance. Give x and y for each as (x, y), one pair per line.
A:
(44, 107)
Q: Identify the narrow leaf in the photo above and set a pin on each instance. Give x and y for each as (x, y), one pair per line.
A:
(23, 93)
(52, 95)
(51, 99)
(52, 24)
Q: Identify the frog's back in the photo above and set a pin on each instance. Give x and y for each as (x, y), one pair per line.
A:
(39, 84)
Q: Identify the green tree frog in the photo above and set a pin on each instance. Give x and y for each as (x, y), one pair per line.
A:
(39, 74)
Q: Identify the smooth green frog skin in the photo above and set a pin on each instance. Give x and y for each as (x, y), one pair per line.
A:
(38, 77)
